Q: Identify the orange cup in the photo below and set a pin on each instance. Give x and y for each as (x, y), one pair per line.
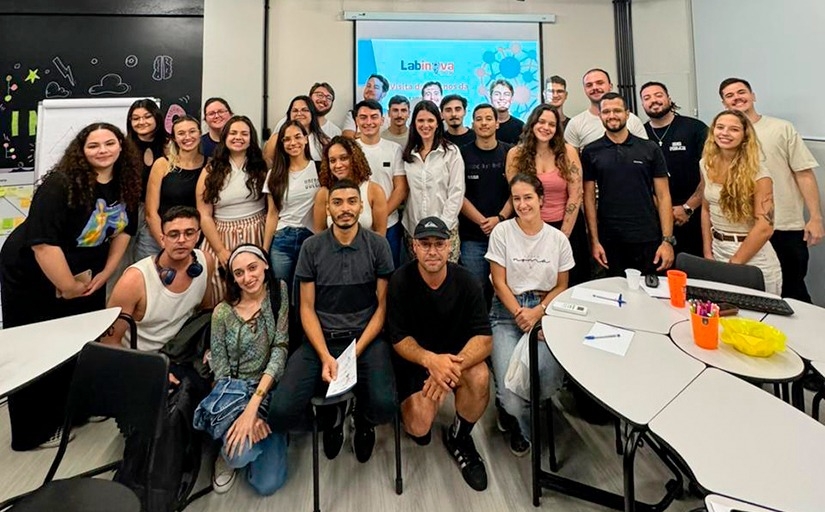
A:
(705, 330)
(676, 281)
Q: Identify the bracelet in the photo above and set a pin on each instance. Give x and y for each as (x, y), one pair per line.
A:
(500, 217)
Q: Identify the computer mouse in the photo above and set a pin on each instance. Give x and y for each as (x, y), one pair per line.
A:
(651, 280)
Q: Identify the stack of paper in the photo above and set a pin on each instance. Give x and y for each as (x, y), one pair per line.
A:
(347, 376)
(608, 338)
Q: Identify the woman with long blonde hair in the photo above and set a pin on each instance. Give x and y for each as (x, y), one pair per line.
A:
(738, 208)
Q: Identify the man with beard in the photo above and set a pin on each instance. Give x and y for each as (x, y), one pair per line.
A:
(432, 91)
(375, 89)
(555, 94)
(441, 333)
(398, 111)
(453, 110)
(501, 96)
(790, 164)
(629, 229)
(681, 139)
(587, 126)
(343, 273)
(323, 97)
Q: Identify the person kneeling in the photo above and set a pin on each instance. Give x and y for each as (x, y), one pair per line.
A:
(438, 324)
(249, 351)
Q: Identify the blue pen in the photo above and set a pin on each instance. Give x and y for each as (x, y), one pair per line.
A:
(619, 300)
(590, 337)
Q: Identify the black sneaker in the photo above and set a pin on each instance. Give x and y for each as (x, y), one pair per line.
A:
(505, 421)
(519, 445)
(333, 440)
(422, 440)
(363, 441)
(465, 454)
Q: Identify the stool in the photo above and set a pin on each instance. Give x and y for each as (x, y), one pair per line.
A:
(321, 401)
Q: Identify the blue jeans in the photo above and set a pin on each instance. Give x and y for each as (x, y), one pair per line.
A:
(395, 236)
(145, 244)
(283, 254)
(265, 462)
(506, 335)
(472, 258)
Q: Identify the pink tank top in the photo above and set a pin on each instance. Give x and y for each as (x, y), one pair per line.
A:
(555, 196)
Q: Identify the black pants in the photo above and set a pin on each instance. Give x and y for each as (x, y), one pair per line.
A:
(792, 251)
(580, 245)
(374, 392)
(625, 255)
(689, 235)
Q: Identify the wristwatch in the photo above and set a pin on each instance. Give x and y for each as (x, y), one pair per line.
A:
(688, 209)
(500, 217)
(669, 239)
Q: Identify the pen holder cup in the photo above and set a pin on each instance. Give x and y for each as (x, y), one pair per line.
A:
(676, 282)
(705, 330)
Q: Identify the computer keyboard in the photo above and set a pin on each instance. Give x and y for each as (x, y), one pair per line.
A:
(741, 300)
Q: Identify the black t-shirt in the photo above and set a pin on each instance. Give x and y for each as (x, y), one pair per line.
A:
(461, 140)
(486, 186)
(624, 174)
(178, 188)
(510, 130)
(83, 233)
(208, 145)
(682, 142)
(441, 320)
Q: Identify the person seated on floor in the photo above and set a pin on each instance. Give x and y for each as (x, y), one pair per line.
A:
(249, 352)
(438, 324)
(161, 292)
(343, 272)
(529, 261)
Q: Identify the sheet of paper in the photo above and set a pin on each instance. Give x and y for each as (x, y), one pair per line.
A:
(598, 296)
(347, 375)
(660, 292)
(610, 339)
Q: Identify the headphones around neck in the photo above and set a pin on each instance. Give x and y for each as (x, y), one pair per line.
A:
(167, 274)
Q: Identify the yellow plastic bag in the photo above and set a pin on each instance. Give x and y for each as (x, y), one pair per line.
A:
(752, 337)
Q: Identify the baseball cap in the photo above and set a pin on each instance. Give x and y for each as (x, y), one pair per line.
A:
(431, 226)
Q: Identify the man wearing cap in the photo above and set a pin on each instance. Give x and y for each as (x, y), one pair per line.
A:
(438, 324)
(343, 273)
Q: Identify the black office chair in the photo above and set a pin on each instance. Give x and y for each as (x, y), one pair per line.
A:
(721, 272)
(127, 385)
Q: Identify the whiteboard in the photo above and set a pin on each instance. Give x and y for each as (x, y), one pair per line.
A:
(775, 45)
(59, 120)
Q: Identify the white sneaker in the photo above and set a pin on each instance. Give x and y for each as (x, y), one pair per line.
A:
(223, 476)
(54, 441)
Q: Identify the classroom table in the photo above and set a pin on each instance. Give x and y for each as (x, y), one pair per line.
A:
(741, 442)
(28, 351)
(716, 503)
(635, 386)
(802, 329)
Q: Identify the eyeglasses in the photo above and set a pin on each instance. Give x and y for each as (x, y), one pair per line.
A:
(217, 113)
(304, 110)
(322, 96)
(438, 245)
(188, 234)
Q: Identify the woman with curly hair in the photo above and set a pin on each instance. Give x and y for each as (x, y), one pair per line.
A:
(301, 109)
(544, 154)
(56, 263)
(229, 196)
(344, 159)
(738, 208)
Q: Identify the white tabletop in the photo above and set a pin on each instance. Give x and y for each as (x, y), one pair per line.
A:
(716, 503)
(740, 441)
(781, 366)
(28, 351)
(802, 329)
(637, 385)
(641, 313)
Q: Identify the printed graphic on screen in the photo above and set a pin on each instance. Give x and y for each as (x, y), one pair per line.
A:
(465, 67)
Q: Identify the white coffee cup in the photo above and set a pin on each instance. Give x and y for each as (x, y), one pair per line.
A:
(633, 278)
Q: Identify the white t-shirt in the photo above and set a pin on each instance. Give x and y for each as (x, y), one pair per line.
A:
(385, 163)
(718, 220)
(585, 128)
(436, 187)
(532, 262)
(785, 153)
(235, 201)
(299, 198)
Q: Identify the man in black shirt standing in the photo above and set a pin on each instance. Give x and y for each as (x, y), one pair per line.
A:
(441, 333)
(486, 196)
(501, 97)
(453, 110)
(681, 139)
(625, 231)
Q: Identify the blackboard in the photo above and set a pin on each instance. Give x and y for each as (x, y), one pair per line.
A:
(79, 56)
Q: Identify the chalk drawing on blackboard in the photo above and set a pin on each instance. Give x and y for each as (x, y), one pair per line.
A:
(131, 61)
(48, 71)
(162, 68)
(110, 83)
(94, 61)
(55, 90)
(8, 149)
(33, 76)
(184, 99)
(64, 70)
(10, 88)
(175, 111)
(16, 65)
